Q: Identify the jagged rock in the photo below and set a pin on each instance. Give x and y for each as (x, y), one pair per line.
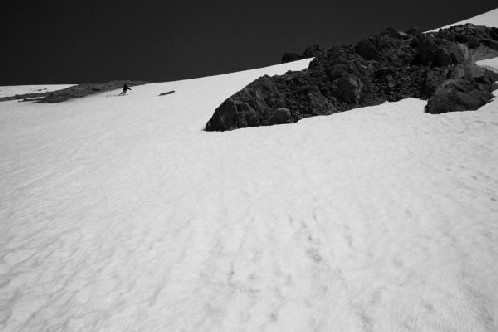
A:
(314, 51)
(389, 66)
(433, 79)
(458, 95)
(224, 116)
(470, 35)
(434, 52)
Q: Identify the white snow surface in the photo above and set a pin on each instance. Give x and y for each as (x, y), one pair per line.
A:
(491, 64)
(12, 90)
(489, 19)
(121, 214)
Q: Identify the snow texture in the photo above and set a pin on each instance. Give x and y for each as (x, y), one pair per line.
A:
(121, 214)
(12, 90)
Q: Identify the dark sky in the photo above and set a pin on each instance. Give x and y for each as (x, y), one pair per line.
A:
(95, 41)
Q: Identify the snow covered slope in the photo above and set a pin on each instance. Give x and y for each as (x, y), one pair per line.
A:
(121, 214)
(489, 19)
(491, 64)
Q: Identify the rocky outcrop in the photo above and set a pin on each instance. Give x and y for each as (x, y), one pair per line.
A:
(314, 51)
(84, 89)
(462, 94)
(386, 67)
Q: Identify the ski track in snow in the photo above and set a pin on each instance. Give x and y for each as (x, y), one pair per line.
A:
(120, 214)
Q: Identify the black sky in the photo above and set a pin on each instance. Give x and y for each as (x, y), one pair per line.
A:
(95, 41)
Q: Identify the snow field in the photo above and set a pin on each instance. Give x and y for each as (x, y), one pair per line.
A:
(121, 214)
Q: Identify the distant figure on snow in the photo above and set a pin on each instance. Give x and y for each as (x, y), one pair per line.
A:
(125, 88)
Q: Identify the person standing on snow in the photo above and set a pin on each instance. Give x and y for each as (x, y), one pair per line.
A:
(125, 88)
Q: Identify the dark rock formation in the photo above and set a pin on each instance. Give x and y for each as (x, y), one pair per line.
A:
(386, 67)
(31, 96)
(75, 91)
(314, 51)
(85, 89)
(462, 94)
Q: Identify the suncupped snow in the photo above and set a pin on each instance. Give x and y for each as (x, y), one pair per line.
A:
(122, 214)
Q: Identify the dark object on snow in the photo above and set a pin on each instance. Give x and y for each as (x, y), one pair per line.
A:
(390, 66)
(125, 88)
(166, 93)
(460, 95)
(85, 89)
(75, 91)
(31, 96)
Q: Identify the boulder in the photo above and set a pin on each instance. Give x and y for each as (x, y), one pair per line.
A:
(437, 53)
(457, 95)
(223, 117)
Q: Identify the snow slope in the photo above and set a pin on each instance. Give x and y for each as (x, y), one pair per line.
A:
(491, 64)
(489, 19)
(121, 214)
(12, 90)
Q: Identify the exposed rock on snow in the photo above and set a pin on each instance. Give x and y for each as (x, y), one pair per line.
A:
(389, 66)
(66, 92)
(25, 96)
(85, 89)
(460, 95)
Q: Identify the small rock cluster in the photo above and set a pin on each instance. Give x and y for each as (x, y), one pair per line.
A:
(438, 66)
